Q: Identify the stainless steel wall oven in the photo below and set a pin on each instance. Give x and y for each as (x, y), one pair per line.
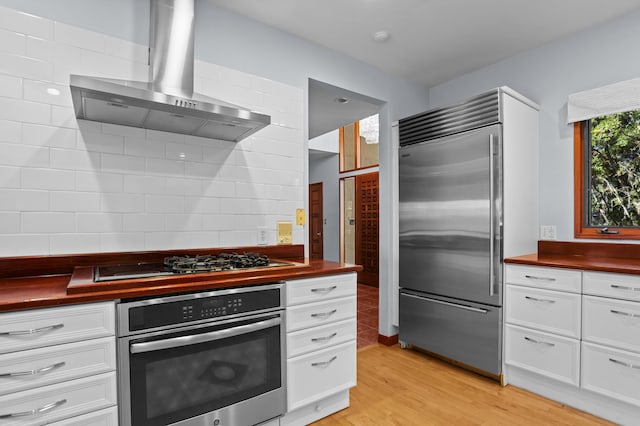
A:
(211, 358)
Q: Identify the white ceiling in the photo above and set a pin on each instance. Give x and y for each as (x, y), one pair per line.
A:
(432, 41)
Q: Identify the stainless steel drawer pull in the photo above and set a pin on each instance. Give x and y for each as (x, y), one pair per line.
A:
(32, 331)
(324, 363)
(35, 411)
(625, 364)
(538, 342)
(626, 314)
(533, 277)
(535, 299)
(324, 290)
(36, 371)
(324, 314)
(624, 287)
(324, 339)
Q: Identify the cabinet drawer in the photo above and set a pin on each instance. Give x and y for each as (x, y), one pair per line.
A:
(51, 326)
(549, 278)
(66, 399)
(620, 286)
(320, 374)
(311, 339)
(611, 322)
(106, 417)
(611, 372)
(44, 366)
(311, 314)
(320, 288)
(550, 355)
(553, 311)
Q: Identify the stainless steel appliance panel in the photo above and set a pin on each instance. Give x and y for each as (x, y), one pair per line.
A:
(450, 216)
(466, 332)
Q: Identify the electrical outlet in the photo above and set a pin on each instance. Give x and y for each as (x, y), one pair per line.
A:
(263, 235)
(548, 232)
(300, 217)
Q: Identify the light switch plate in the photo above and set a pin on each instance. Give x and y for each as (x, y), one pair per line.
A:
(548, 232)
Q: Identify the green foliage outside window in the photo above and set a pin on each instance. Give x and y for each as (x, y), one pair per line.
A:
(615, 170)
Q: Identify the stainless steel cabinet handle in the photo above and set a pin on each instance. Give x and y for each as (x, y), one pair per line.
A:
(626, 314)
(625, 364)
(324, 290)
(623, 287)
(324, 339)
(34, 372)
(533, 277)
(442, 302)
(192, 339)
(535, 299)
(324, 363)
(491, 214)
(32, 330)
(35, 411)
(324, 314)
(538, 342)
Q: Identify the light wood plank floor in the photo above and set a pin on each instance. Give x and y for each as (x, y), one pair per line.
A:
(406, 387)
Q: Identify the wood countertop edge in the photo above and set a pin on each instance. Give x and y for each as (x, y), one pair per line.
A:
(599, 264)
(49, 291)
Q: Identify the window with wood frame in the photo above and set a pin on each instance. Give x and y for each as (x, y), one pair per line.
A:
(607, 176)
(359, 144)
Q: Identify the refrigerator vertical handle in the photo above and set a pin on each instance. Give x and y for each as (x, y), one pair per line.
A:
(491, 215)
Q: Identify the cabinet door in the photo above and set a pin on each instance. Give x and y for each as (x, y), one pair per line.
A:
(548, 278)
(552, 311)
(611, 372)
(611, 322)
(106, 417)
(312, 314)
(619, 286)
(543, 353)
(319, 374)
(314, 338)
(318, 289)
(51, 326)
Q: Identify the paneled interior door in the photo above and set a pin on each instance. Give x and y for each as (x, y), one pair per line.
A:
(367, 227)
(316, 221)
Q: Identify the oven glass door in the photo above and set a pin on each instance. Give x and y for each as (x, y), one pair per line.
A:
(172, 381)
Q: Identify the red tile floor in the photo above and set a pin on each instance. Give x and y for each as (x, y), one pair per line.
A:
(367, 315)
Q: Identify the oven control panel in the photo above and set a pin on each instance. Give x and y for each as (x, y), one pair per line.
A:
(200, 307)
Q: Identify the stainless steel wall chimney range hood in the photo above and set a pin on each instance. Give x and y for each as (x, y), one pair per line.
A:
(167, 102)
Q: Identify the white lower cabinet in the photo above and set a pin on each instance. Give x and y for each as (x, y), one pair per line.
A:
(575, 338)
(58, 366)
(321, 346)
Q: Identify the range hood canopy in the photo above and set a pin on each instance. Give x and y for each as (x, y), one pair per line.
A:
(167, 102)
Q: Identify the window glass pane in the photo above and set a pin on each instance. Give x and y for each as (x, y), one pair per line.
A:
(369, 141)
(349, 148)
(614, 171)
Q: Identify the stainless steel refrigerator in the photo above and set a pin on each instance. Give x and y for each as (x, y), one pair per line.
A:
(451, 231)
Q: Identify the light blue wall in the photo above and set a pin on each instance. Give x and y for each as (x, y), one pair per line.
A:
(325, 170)
(592, 58)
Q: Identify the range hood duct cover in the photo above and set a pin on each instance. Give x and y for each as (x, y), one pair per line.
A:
(167, 102)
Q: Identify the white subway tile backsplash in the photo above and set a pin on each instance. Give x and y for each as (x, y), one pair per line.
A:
(9, 222)
(10, 131)
(24, 111)
(52, 136)
(13, 42)
(72, 186)
(25, 67)
(99, 182)
(47, 93)
(165, 204)
(10, 86)
(47, 179)
(24, 245)
(25, 23)
(75, 243)
(99, 222)
(24, 156)
(136, 222)
(47, 222)
(71, 201)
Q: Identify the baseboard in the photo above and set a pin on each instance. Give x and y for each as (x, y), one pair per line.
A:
(388, 340)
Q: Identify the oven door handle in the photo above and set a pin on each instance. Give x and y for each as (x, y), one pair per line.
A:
(193, 339)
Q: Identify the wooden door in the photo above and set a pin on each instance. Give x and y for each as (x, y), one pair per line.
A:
(316, 221)
(367, 227)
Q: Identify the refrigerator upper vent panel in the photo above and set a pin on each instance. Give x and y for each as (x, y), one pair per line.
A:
(479, 111)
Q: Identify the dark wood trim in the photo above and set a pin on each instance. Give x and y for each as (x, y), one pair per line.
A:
(579, 228)
(25, 266)
(592, 250)
(388, 340)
